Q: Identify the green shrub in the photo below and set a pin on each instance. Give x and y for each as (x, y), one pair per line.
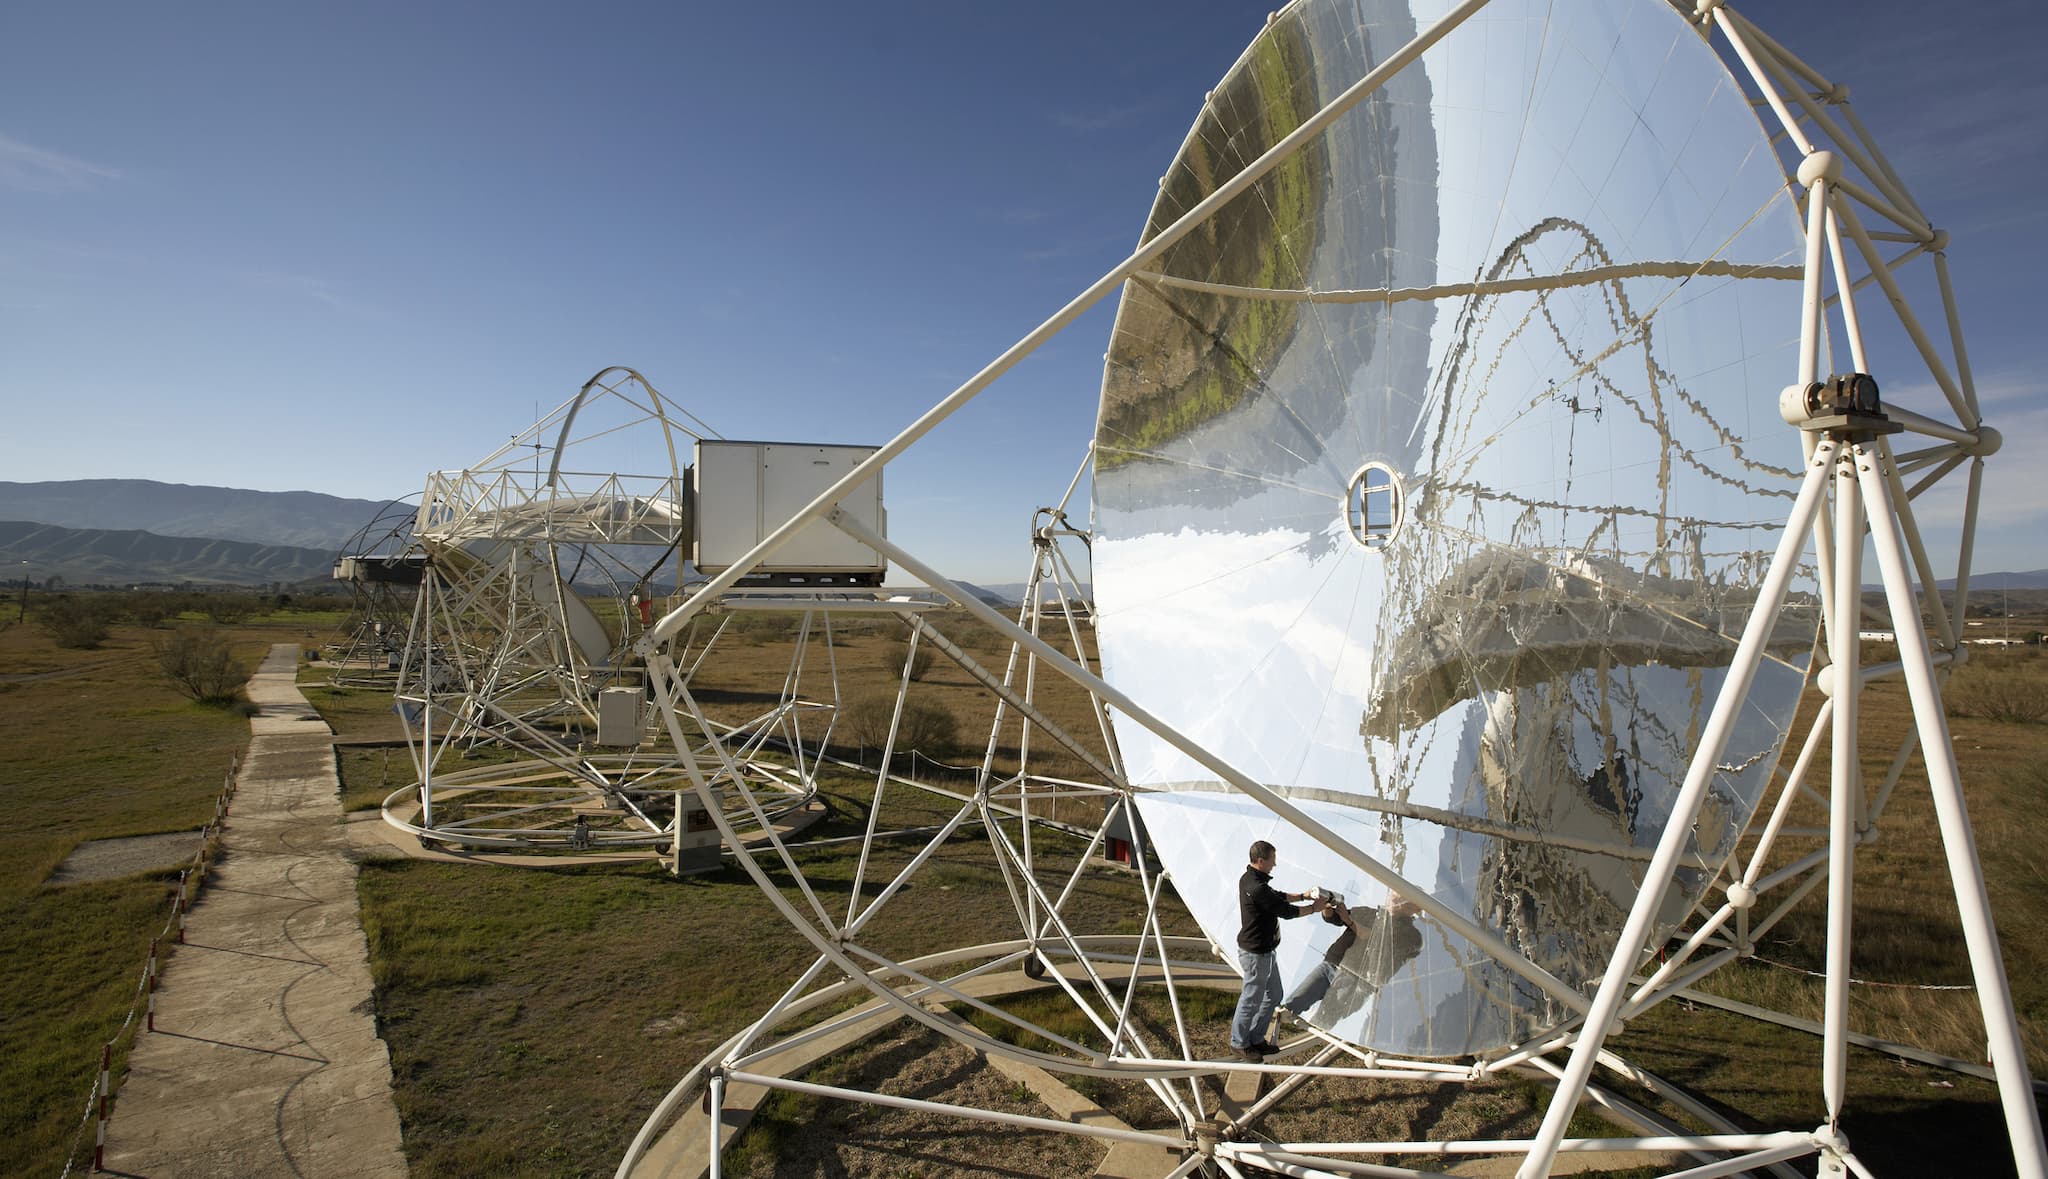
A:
(898, 649)
(150, 610)
(229, 608)
(200, 662)
(1990, 693)
(78, 622)
(928, 726)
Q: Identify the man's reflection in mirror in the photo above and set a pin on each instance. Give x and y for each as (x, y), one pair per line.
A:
(1375, 944)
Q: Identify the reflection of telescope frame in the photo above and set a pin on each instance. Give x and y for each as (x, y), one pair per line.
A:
(383, 575)
(1841, 178)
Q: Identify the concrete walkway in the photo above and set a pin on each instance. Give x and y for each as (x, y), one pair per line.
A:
(265, 1059)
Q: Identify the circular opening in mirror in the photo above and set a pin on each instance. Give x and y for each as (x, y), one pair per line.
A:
(1373, 508)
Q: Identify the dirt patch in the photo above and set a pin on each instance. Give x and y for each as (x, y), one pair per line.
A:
(111, 859)
(31, 677)
(801, 1138)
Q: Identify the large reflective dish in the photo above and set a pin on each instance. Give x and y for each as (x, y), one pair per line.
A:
(1435, 475)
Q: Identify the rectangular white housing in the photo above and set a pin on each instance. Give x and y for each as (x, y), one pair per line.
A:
(746, 490)
(697, 846)
(620, 720)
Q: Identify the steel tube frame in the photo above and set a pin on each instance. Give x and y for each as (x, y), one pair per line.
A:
(1845, 787)
(1838, 554)
(1024, 1121)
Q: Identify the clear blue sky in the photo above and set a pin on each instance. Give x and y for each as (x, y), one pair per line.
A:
(333, 247)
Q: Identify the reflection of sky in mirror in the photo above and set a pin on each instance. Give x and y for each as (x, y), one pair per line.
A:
(1593, 474)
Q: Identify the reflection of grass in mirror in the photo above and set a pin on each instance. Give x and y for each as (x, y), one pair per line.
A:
(1243, 337)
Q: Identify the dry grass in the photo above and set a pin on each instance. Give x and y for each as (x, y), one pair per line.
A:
(1907, 931)
(2000, 686)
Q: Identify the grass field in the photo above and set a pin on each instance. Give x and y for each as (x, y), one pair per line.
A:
(96, 746)
(534, 1016)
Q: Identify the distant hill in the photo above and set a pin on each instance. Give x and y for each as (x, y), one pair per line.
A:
(124, 557)
(990, 595)
(2034, 580)
(1012, 592)
(302, 519)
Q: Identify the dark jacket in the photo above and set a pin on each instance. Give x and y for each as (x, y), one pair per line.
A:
(1260, 909)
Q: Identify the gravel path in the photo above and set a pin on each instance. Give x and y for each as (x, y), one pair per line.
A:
(111, 859)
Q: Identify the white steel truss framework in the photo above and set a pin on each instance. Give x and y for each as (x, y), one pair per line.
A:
(1856, 485)
(507, 659)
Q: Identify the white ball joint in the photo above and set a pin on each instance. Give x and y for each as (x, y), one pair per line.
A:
(1819, 165)
(1829, 680)
(1988, 443)
(1741, 896)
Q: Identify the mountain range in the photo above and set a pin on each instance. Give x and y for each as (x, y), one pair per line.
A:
(120, 557)
(302, 519)
(121, 531)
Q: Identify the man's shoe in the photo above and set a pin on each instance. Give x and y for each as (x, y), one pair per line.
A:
(1251, 1055)
(1265, 1049)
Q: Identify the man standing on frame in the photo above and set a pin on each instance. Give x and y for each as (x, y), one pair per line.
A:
(1260, 909)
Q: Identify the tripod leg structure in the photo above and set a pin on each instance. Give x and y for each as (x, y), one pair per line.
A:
(1994, 993)
(1863, 495)
(1845, 783)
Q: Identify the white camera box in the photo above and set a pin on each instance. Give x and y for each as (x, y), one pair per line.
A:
(746, 490)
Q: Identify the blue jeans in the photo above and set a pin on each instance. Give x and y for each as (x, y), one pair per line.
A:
(1311, 989)
(1261, 995)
